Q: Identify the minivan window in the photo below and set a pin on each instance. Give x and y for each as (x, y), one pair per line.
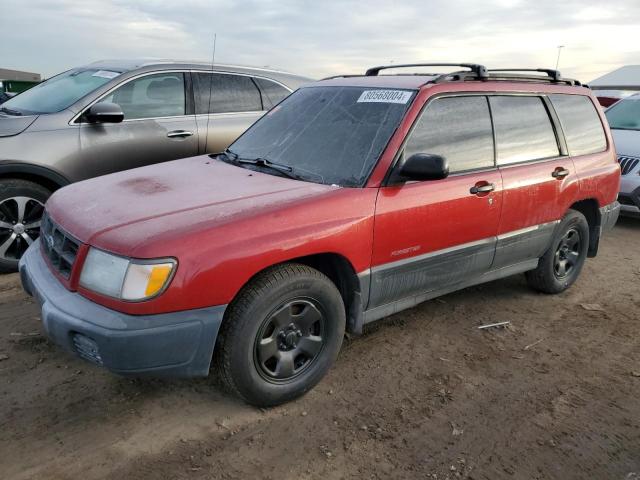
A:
(523, 129)
(624, 115)
(60, 92)
(580, 123)
(331, 135)
(151, 96)
(272, 93)
(229, 93)
(459, 129)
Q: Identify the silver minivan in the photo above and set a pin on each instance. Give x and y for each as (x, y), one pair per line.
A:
(116, 115)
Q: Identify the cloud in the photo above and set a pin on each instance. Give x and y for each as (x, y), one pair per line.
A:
(323, 38)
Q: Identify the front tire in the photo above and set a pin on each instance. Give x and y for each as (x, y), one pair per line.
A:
(562, 263)
(21, 208)
(280, 335)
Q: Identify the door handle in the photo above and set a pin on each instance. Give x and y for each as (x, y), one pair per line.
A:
(560, 173)
(477, 189)
(179, 133)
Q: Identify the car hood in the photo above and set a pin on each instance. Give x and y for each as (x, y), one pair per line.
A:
(170, 199)
(627, 142)
(13, 125)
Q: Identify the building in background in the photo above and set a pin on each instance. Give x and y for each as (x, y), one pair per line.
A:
(618, 84)
(15, 81)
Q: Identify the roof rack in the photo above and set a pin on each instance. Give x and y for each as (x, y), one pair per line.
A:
(480, 71)
(475, 72)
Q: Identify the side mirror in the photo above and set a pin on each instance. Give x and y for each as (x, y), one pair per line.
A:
(104, 113)
(424, 166)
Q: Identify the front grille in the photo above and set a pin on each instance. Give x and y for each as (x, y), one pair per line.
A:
(60, 248)
(627, 164)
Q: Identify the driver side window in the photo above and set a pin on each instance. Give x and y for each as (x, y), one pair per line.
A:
(457, 128)
(151, 96)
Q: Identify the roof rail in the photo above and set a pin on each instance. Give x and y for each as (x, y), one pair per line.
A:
(553, 74)
(480, 71)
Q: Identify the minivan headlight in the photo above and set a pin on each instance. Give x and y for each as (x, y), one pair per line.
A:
(124, 278)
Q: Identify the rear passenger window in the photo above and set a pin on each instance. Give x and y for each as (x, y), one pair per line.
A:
(272, 93)
(459, 129)
(580, 123)
(523, 129)
(229, 93)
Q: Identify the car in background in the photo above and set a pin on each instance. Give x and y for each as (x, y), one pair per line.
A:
(624, 121)
(4, 96)
(116, 115)
(606, 98)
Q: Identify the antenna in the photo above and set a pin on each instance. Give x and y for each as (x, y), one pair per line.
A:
(213, 55)
(560, 47)
(213, 59)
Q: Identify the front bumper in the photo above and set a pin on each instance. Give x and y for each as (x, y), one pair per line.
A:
(177, 344)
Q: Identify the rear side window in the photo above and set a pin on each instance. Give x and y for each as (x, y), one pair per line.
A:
(459, 129)
(151, 96)
(272, 93)
(523, 129)
(580, 123)
(229, 93)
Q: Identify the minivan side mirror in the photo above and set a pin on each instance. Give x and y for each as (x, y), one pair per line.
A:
(424, 166)
(104, 112)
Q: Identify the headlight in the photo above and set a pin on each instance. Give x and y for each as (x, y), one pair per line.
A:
(124, 278)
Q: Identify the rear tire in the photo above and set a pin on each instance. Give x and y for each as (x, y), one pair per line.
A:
(21, 207)
(280, 335)
(562, 263)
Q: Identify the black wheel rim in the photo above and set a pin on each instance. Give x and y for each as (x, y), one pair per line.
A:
(567, 254)
(290, 340)
(19, 225)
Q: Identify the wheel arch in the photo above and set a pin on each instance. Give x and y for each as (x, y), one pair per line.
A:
(341, 272)
(44, 176)
(591, 210)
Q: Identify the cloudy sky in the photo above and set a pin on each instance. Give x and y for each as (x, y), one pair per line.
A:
(320, 38)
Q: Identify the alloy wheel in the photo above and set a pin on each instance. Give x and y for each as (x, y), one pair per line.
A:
(20, 219)
(289, 340)
(567, 254)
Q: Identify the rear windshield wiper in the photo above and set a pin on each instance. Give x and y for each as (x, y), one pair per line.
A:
(10, 111)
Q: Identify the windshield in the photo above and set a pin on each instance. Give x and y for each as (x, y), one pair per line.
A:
(625, 115)
(59, 92)
(331, 135)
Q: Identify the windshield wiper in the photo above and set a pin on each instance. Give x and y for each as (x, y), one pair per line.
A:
(286, 170)
(10, 111)
(230, 154)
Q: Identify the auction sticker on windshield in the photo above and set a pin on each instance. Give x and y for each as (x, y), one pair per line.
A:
(385, 96)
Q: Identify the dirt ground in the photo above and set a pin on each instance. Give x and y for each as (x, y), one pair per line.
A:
(423, 394)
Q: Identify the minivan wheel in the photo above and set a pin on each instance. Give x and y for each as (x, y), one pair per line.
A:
(21, 208)
(280, 335)
(561, 264)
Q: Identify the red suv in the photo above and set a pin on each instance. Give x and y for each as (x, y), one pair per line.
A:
(354, 198)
